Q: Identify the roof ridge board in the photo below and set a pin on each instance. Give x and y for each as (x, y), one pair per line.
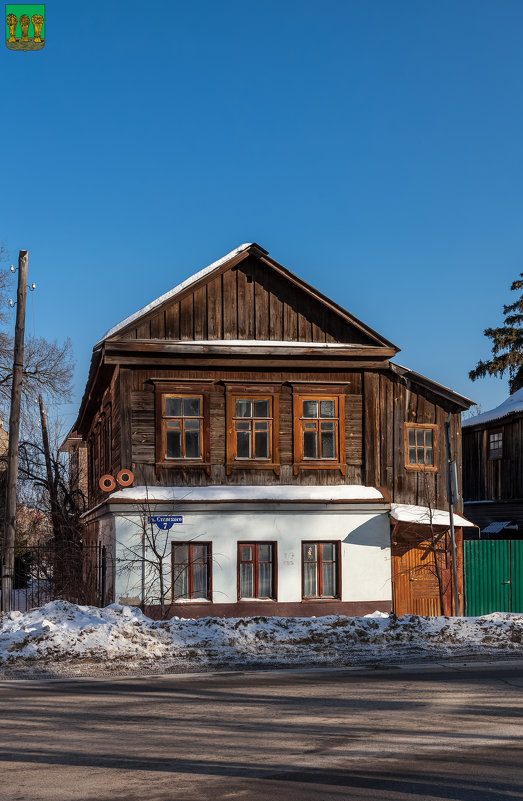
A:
(332, 303)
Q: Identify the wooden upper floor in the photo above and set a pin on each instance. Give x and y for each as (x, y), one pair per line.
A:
(493, 453)
(245, 374)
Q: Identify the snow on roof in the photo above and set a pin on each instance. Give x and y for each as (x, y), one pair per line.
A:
(513, 404)
(345, 492)
(404, 513)
(172, 292)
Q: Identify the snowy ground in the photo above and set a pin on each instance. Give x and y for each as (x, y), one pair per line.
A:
(63, 639)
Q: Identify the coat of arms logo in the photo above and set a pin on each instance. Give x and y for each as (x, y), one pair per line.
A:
(25, 26)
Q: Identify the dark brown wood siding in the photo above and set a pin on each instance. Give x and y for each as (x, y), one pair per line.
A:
(390, 401)
(378, 404)
(487, 479)
(143, 428)
(249, 301)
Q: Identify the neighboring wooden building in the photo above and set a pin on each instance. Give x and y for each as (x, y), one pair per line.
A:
(275, 425)
(493, 469)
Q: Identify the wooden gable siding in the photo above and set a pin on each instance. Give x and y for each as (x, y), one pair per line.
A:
(487, 479)
(248, 301)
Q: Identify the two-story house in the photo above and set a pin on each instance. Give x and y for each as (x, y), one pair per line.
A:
(285, 464)
(493, 469)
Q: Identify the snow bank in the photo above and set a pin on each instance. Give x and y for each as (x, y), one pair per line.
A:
(60, 633)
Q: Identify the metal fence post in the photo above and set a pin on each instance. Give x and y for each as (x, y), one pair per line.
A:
(104, 576)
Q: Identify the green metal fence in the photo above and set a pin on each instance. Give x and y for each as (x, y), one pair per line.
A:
(493, 574)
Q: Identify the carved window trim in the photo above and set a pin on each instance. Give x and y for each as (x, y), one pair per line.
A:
(188, 389)
(258, 391)
(320, 392)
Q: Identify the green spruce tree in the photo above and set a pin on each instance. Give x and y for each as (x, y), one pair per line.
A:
(507, 345)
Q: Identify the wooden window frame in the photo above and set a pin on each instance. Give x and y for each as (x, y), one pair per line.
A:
(319, 394)
(190, 583)
(489, 434)
(180, 420)
(183, 389)
(254, 544)
(319, 577)
(424, 468)
(253, 392)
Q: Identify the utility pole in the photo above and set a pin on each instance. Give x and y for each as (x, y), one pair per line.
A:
(8, 555)
(452, 492)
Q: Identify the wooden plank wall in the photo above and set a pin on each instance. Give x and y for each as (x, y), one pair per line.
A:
(144, 433)
(493, 479)
(389, 402)
(378, 404)
(250, 301)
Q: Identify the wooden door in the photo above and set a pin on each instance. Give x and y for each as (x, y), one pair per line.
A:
(415, 582)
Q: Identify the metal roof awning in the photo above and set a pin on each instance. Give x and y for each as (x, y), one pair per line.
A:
(419, 519)
(497, 526)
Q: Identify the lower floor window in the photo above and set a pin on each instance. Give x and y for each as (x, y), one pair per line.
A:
(191, 567)
(256, 570)
(320, 562)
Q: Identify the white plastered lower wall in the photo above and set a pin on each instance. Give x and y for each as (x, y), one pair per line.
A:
(364, 537)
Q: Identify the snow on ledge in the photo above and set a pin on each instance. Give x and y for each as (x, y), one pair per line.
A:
(188, 281)
(404, 513)
(346, 492)
(513, 404)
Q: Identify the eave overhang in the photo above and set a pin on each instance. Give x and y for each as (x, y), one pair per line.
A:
(438, 389)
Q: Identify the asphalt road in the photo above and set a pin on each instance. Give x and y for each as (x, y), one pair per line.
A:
(411, 734)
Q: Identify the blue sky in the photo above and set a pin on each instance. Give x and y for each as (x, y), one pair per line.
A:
(374, 148)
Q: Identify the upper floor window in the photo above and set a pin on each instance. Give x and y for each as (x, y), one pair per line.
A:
(495, 445)
(420, 446)
(319, 428)
(252, 427)
(182, 426)
(252, 424)
(319, 431)
(183, 417)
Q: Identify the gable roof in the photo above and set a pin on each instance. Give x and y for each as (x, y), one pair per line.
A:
(512, 405)
(230, 259)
